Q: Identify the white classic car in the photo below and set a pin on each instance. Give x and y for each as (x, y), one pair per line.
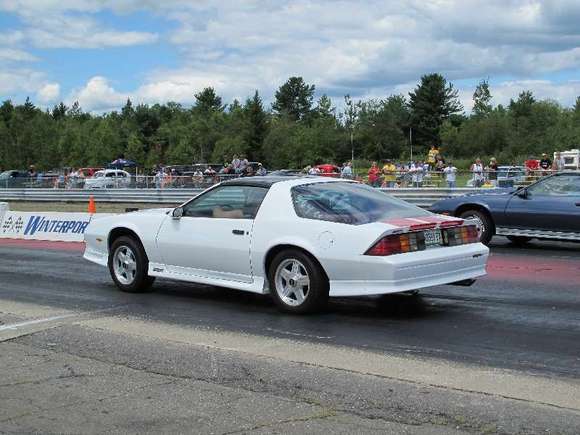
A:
(107, 179)
(299, 239)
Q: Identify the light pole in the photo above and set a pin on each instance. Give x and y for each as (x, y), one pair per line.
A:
(411, 141)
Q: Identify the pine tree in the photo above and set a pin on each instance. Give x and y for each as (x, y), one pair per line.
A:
(294, 99)
(433, 101)
(207, 101)
(257, 125)
(482, 99)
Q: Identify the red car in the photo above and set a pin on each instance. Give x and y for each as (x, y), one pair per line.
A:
(329, 170)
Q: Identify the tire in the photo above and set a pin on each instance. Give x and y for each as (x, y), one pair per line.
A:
(286, 270)
(519, 240)
(129, 275)
(484, 221)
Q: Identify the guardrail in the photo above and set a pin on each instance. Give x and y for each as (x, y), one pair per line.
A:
(422, 197)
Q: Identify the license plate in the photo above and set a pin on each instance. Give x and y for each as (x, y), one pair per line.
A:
(433, 237)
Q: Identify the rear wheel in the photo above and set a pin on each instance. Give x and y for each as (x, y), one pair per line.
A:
(128, 265)
(484, 224)
(519, 240)
(297, 283)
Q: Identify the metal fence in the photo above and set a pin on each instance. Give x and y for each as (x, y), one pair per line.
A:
(508, 177)
(422, 197)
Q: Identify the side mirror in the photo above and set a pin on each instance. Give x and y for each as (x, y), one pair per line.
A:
(177, 213)
(523, 193)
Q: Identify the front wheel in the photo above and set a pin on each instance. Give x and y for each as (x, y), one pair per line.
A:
(128, 265)
(484, 224)
(297, 283)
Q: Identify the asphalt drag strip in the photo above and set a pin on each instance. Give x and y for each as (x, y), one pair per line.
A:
(498, 357)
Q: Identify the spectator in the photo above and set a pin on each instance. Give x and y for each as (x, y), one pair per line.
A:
(32, 171)
(261, 170)
(417, 169)
(225, 169)
(346, 171)
(439, 163)
(477, 171)
(390, 174)
(243, 164)
(492, 171)
(559, 163)
(248, 171)
(236, 164)
(374, 175)
(313, 170)
(545, 164)
(450, 172)
(159, 177)
(431, 155)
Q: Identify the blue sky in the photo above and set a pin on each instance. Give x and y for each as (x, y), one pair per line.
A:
(101, 52)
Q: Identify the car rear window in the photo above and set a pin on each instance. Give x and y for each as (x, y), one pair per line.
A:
(349, 203)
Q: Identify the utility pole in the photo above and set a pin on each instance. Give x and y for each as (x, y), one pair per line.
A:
(411, 141)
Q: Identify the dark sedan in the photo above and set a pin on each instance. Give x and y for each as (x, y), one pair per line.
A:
(547, 209)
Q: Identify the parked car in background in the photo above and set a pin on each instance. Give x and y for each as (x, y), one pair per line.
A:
(510, 176)
(546, 209)
(14, 178)
(328, 170)
(108, 179)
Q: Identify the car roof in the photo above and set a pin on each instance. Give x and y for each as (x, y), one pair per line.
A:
(269, 181)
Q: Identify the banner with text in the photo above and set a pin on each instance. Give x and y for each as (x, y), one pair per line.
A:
(66, 227)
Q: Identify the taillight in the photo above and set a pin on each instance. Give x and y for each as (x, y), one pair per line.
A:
(461, 235)
(398, 244)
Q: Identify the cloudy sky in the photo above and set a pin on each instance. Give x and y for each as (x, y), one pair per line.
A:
(100, 52)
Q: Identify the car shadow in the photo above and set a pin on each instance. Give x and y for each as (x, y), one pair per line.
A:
(399, 306)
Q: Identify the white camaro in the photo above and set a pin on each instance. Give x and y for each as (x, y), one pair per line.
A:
(299, 239)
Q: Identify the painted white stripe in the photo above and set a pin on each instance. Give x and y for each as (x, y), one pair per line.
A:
(15, 326)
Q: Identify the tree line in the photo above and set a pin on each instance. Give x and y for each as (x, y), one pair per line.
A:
(294, 132)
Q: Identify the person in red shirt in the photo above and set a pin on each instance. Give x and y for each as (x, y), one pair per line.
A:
(374, 175)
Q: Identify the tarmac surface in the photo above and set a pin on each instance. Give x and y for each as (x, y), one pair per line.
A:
(77, 355)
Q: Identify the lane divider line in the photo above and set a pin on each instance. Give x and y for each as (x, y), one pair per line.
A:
(15, 326)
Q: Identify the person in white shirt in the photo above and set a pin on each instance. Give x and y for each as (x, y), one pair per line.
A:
(477, 171)
(347, 171)
(559, 163)
(416, 171)
(450, 172)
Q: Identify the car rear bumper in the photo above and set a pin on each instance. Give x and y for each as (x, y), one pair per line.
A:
(399, 273)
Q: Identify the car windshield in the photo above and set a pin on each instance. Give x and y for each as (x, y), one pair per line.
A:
(349, 203)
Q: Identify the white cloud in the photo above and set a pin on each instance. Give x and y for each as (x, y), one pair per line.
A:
(15, 55)
(68, 24)
(48, 93)
(364, 49)
(98, 96)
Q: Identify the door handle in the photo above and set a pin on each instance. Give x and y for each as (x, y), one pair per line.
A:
(238, 232)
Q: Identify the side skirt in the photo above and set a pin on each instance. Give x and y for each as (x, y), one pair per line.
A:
(257, 286)
(539, 234)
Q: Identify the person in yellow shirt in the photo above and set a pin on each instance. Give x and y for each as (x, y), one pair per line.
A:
(431, 157)
(390, 174)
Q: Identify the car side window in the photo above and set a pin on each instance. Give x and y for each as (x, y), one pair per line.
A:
(110, 174)
(227, 202)
(563, 185)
